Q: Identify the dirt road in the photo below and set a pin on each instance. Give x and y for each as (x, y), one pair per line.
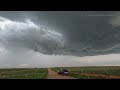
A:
(99, 75)
(53, 75)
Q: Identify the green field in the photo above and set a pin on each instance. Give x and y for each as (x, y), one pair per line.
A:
(41, 73)
(23, 73)
(104, 70)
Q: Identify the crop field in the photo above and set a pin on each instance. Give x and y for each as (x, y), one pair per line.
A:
(23, 73)
(95, 72)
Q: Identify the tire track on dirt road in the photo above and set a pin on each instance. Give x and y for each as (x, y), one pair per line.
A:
(98, 75)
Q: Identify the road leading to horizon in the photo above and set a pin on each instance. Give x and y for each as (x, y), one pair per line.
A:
(53, 75)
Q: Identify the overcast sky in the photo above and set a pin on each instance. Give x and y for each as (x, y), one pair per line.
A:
(59, 38)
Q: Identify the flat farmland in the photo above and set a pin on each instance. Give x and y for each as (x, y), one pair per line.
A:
(23, 73)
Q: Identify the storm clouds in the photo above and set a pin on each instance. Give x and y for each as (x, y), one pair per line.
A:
(66, 33)
(62, 32)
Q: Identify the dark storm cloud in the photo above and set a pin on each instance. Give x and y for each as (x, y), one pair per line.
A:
(63, 33)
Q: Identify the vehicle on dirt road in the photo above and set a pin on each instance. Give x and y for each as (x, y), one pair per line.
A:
(63, 72)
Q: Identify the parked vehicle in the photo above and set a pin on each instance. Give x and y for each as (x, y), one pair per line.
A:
(63, 72)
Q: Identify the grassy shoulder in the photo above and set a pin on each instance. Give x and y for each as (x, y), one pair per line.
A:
(23, 73)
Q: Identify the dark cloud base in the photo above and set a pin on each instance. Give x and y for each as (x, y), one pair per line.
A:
(83, 33)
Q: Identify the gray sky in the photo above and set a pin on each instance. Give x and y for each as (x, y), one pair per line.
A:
(59, 38)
